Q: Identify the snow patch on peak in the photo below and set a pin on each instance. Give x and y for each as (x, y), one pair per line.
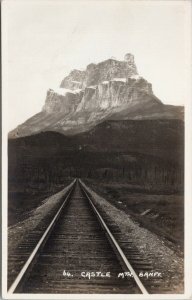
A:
(75, 81)
(77, 91)
(92, 87)
(135, 77)
(63, 91)
(119, 79)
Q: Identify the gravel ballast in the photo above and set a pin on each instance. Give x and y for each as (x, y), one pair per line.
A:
(164, 259)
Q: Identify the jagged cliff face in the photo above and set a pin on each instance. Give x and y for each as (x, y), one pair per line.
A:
(62, 100)
(106, 85)
(88, 97)
(97, 73)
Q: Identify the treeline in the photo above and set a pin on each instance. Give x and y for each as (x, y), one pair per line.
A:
(140, 169)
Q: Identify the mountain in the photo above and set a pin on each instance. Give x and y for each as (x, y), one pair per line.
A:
(109, 90)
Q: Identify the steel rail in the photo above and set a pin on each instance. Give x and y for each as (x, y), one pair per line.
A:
(35, 251)
(113, 241)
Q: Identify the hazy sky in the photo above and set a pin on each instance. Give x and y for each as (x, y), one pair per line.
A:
(44, 40)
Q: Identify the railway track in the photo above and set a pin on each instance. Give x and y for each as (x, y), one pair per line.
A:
(79, 253)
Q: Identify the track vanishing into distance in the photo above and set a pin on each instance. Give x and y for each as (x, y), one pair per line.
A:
(79, 253)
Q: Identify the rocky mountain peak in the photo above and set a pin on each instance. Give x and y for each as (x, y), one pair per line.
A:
(97, 73)
(109, 89)
(129, 58)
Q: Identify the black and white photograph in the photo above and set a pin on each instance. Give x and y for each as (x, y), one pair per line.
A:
(96, 161)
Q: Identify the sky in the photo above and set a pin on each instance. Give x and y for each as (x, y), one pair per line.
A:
(44, 40)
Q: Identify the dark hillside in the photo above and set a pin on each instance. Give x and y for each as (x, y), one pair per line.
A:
(145, 153)
(144, 150)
